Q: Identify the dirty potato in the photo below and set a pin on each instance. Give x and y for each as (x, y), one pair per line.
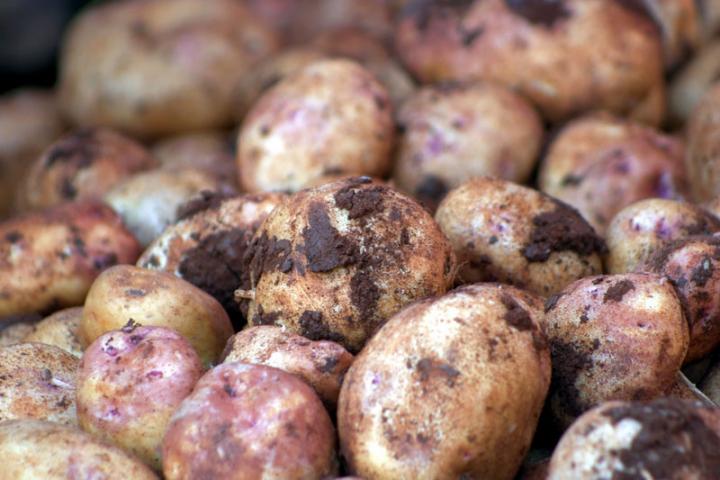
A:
(59, 329)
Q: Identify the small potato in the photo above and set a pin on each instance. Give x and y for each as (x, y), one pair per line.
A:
(454, 132)
(507, 233)
(85, 164)
(32, 449)
(48, 259)
(249, 421)
(211, 151)
(692, 81)
(613, 337)
(449, 388)
(125, 293)
(330, 117)
(59, 329)
(640, 229)
(321, 364)
(15, 333)
(37, 381)
(702, 160)
(129, 383)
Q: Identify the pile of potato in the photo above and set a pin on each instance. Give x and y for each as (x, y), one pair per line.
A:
(377, 239)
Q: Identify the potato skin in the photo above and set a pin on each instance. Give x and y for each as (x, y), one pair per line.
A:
(321, 364)
(33, 449)
(15, 333)
(150, 298)
(59, 329)
(450, 386)
(504, 232)
(37, 381)
(129, 383)
(693, 80)
(702, 160)
(249, 421)
(49, 258)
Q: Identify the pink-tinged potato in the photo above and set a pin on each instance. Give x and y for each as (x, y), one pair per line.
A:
(246, 422)
(37, 381)
(129, 383)
(49, 258)
(59, 329)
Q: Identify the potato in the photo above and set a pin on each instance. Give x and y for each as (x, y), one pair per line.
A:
(33, 449)
(702, 160)
(15, 333)
(129, 383)
(507, 233)
(692, 81)
(710, 385)
(453, 132)
(330, 117)
(249, 421)
(48, 259)
(449, 388)
(59, 329)
(640, 229)
(159, 67)
(37, 381)
(335, 262)
(82, 165)
(150, 298)
(670, 439)
(601, 329)
(321, 364)
(680, 27)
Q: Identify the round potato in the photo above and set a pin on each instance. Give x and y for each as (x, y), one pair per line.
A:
(702, 159)
(449, 388)
(692, 81)
(59, 329)
(249, 421)
(15, 333)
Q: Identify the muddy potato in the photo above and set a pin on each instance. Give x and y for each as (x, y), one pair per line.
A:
(249, 421)
(330, 117)
(504, 232)
(130, 382)
(450, 387)
(665, 438)
(600, 164)
(151, 298)
(49, 258)
(601, 329)
(640, 229)
(59, 329)
(692, 81)
(335, 262)
(702, 159)
(159, 67)
(37, 381)
(567, 57)
(32, 449)
(321, 364)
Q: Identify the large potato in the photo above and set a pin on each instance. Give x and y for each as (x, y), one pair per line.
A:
(449, 388)
(59, 329)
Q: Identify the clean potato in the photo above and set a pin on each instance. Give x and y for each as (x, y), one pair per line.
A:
(59, 329)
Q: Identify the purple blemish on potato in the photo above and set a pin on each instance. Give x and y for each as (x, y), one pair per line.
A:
(113, 412)
(436, 144)
(376, 379)
(110, 350)
(662, 230)
(622, 167)
(135, 339)
(154, 375)
(634, 226)
(664, 186)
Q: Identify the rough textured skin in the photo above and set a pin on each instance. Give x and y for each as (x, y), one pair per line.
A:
(15, 333)
(150, 298)
(601, 329)
(449, 388)
(491, 225)
(332, 116)
(130, 382)
(59, 329)
(250, 421)
(321, 364)
(455, 132)
(37, 381)
(693, 266)
(668, 439)
(600, 164)
(335, 262)
(49, 258)
(583, 55)
(83, 165)
(692, 81)
(33, 449)
(640, 229)
(702, 159)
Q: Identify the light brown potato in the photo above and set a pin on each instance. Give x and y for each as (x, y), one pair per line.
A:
(504, 232)
(321, 364)
(449, 388)
(15, 333)
(211, 151)
(335, 262)
(702, 159)
(151, 298)
(330, 117)
(692, 81)
(59, 329)
(83, 165)
(32, 449)
(567, 57)
(250, 421)
(710, 17)
(48, 259)
(130, 382)
(680, 27)
(37, 381)
(601, 329)
(640, 229)
(453, 132)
